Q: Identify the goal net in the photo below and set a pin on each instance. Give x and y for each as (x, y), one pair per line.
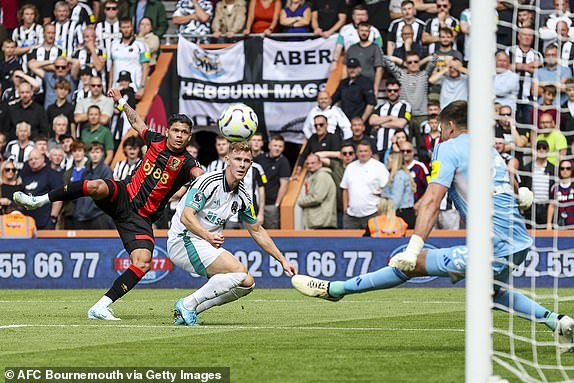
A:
(524, 350)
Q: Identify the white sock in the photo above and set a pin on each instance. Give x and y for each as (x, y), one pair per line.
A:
(230, 296)
(216, 285)
(104, 301)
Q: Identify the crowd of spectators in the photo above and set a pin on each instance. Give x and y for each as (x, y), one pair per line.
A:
(373, 137)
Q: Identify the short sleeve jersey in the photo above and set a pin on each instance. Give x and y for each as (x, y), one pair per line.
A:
(215, 203)
(450, 169)
(161, 174)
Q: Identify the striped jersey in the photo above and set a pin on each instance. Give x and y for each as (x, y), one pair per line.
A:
(564, 196)
(86, 59)
(67, 36)
(396, 28)
(401, 109)
(31, 37)
(419, 172)
(161, 174)
(518, 56)
(567, 55)
(433, 27)
(214, 202)
(106, 34)
(124, 169)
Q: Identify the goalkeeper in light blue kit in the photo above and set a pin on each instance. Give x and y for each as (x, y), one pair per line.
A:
(511, 239)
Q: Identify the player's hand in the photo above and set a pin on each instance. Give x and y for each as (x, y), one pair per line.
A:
(115, 94)
(289, 268)
(216, 240)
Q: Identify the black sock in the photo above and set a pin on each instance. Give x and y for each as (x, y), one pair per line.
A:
(69, 192)
(124, 283)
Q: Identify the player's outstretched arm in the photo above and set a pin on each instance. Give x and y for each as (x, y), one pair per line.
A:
(133, 117)
(263, 239)
(428, 209)
(427, 214)
(190, 221)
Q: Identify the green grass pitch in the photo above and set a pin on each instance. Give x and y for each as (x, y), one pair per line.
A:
(400, 335)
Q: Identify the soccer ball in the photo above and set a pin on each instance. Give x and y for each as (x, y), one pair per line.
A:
(238, 122)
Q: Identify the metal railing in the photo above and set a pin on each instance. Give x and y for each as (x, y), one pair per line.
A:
(236, 37)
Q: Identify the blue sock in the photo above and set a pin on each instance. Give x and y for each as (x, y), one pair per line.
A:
(526, 307)
(384, 278)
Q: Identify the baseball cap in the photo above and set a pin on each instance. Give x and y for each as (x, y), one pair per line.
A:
(353, 63)
(542, 144)
(85, 70)
(125, 76)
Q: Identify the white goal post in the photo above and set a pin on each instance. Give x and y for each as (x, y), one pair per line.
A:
(479, 278)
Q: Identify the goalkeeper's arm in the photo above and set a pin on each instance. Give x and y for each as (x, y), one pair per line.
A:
(427, 215)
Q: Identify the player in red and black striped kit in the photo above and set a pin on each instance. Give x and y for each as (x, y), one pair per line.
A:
(137, 201)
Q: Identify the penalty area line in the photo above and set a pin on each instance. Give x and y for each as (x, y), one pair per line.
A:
(231, 327)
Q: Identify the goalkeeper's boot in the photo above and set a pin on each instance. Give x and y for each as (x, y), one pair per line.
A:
(313, 287)
(565, 334)
(189, 316)
(28, 201)
(101, 312)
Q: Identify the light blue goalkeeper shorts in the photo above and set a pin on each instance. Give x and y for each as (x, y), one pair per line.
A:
(451, 262)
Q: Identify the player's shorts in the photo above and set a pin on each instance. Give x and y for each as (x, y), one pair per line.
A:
(451, 262)
(135, 231)
(192, 255)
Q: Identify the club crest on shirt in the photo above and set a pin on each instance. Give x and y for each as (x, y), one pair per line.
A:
(197, 197)
(234, 207)
(175, 162)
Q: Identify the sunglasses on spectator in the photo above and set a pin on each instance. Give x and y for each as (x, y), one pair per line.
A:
(60, 66)
(9, 170)
(392, 90)
(407, 150)
(111, 8)
(505, 114)
(318, 125)
(413, 62)
(565, 168)
(347, 153)
(96, 85)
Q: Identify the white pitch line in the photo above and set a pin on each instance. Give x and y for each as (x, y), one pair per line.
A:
(226, 327)
(383, 301)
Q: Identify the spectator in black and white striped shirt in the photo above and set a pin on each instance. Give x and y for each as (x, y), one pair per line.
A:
(395, 39)
(108, 30)
(390, 116)
(18, 150)
(29, 34)
(65, 28)
(222, 147)
(132, 150)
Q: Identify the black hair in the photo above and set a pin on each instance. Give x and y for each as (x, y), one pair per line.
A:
(179, 118)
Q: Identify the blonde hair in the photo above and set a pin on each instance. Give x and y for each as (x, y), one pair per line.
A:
(242, 146)
(387, 208)
(397, 163)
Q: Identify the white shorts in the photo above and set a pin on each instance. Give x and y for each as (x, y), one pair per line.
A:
(191, 254)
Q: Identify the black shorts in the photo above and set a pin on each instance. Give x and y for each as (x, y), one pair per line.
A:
(135, 231)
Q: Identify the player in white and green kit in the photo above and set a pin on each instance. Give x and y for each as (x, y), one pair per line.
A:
(195, 238)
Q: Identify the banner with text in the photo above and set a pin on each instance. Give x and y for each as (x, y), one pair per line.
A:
(279, 80)
(96, 263)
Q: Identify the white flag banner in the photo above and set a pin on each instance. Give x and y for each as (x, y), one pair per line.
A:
(279, 80)
(297, 60)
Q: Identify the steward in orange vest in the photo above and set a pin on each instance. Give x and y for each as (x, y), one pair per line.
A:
(17, 225)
